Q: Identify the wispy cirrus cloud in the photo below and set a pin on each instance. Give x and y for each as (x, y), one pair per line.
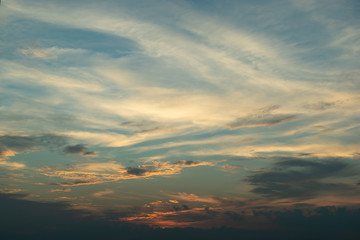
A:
(262, 118)
(48, 53)
(60, 190)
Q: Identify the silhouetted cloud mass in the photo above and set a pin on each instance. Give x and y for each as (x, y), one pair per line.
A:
(24, 219)
(136, 171)
(299, 178)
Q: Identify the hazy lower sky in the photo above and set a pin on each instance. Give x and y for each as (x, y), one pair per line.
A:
(181, 113)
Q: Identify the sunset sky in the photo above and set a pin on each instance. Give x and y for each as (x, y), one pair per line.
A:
(181, 113)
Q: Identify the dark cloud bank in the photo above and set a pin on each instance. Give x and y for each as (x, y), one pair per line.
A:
(136, 171)
(24, 219)
(305, 178)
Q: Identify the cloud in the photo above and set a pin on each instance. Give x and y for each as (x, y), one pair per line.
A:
(300, 147)
(267, 120)
(102, 193)
(64, 220)
(216, 213)
(190, 210)
(233, 168)
(190, 163)
(200, 59)
(11, 145)
(143, 127)
(193, 72)
(136, 171)
(96, 173)
(12, 165)
(190, 197)
(262, 118)
(60, 190)
(51, 53)
(10, 191)
(207, 141)
(228, 203)
(80, 149)
(321, 106)
(304, 178)
(230, 73)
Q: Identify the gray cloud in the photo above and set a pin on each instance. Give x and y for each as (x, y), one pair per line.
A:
(30, 143)
(266, 120)
(136, 171)
(185, 162)
(21, 144)
(182, 207)
(75, 183)
(142, 126)
(233, 168)
(320, 106)
(299, 178)
(262, 118)
(78, 149)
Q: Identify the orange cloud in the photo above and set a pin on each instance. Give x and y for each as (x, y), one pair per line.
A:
(233, 168)
(61, 190)
(8, 190)
(189, 197)
(102, 193)
(4, 154)
(95, 173)
(12, 165)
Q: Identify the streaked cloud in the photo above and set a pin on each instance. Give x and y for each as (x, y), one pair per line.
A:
(322, 105)
(263, 118)
(12, 165)
(261, 121)
(60, 190)
(194, 198)
(48, 53)
(10, 191)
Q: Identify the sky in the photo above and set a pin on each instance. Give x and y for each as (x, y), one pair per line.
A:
(166, 115)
